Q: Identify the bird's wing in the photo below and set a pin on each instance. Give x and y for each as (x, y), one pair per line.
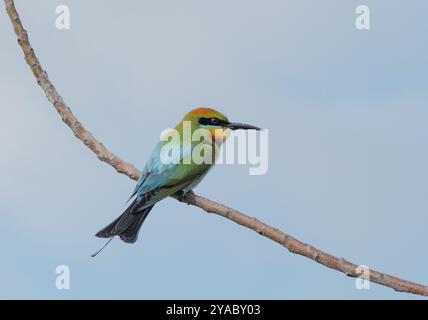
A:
(159, 180)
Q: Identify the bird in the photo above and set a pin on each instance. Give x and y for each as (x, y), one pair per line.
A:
(160, 179)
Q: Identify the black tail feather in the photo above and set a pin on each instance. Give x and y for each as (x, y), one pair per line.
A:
(126, 225)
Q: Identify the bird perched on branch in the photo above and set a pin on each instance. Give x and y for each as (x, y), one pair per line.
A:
(175, 166)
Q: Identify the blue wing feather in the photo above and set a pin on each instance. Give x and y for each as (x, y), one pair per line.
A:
(160, 180)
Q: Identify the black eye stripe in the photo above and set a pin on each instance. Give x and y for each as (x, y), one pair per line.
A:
(212, 121)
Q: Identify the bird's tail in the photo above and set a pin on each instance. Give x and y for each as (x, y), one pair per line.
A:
(127, 225)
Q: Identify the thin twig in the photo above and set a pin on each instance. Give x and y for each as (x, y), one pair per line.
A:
(293, 245)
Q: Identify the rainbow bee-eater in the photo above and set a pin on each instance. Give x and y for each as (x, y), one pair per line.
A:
(160, 179)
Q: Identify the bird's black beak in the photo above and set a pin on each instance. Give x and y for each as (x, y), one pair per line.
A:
(237, 126)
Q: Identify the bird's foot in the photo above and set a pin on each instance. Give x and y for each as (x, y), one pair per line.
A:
(181, 195)
(190, 193)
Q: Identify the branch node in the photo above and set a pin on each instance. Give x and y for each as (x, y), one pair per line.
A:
(75, 125)
(284, 239)
(316, 256)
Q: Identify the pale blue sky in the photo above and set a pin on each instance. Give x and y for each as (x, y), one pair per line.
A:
(346, 112)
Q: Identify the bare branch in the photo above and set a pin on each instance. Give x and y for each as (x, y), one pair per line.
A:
(293, 245)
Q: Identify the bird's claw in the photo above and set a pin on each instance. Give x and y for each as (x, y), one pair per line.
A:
(182, 195)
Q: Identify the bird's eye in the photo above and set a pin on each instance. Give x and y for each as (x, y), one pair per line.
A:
(210, 121)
